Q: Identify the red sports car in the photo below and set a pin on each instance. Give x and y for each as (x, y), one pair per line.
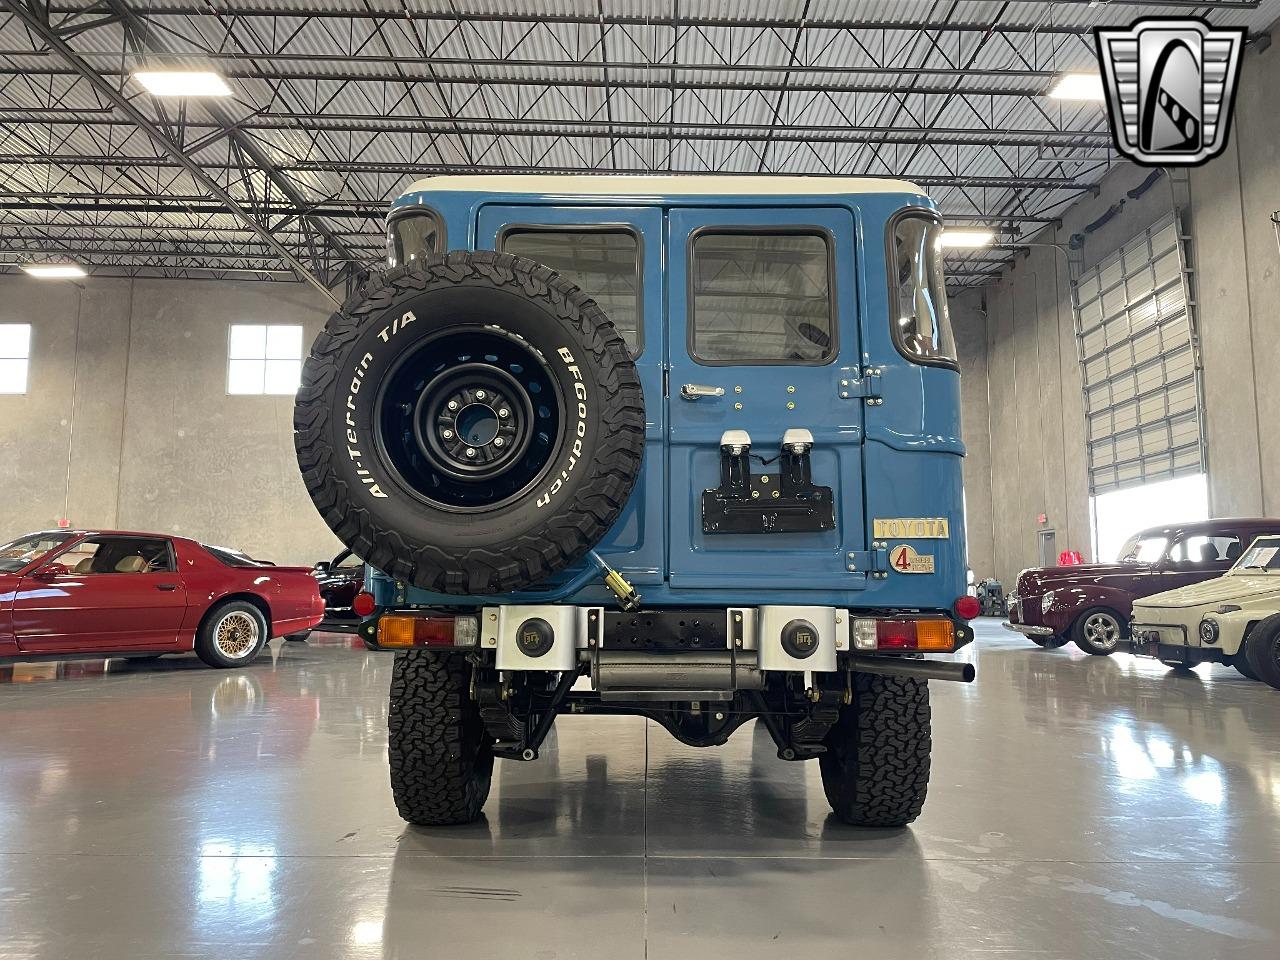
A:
(68, 593)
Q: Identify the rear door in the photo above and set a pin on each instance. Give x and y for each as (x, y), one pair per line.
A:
(763, 337)
(615, 255)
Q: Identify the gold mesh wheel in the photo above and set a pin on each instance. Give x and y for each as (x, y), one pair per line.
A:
(236, 635)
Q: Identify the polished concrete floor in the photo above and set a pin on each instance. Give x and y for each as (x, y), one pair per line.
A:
(1080, 807)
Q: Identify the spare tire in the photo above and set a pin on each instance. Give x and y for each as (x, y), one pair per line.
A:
(471, 424)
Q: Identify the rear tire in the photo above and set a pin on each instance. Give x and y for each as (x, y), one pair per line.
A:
(1262, 648)
(1098, 632)
(232, 635)
(876, 768)
(440, 755)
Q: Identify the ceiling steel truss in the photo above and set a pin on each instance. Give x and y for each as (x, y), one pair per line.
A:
(337, 108)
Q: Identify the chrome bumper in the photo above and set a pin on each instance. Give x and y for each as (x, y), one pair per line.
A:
(1027, 630)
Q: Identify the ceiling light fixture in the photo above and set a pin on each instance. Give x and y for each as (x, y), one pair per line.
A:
(1078, 86)
(183, 83)
(55, 271)
(966, 239)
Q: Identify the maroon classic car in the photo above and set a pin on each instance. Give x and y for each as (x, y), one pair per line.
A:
(1091, 604)
(72, 593)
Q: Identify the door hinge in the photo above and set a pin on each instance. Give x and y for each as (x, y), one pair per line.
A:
(874, 562)
(864, 385)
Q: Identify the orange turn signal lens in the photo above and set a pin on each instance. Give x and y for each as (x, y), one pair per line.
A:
(935, 635)
(396, 631)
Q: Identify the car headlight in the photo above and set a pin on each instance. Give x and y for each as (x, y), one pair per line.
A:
(1046, 602)
(1208, 631)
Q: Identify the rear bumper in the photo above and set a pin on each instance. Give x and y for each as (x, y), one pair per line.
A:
(280, 628)
(1027, 630)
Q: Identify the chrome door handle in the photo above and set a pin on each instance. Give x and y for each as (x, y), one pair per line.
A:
(695, 391)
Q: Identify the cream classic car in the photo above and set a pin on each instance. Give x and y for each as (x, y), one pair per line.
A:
(1234, 619)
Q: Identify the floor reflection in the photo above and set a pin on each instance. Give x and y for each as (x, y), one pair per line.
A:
(246, 813)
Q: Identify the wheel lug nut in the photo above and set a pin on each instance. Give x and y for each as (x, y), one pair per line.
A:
(504, 412)
(479, 394)
(471, 451)
(448, 434)
(453, 404)
(497, 441)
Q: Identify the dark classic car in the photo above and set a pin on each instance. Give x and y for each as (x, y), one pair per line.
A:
(1091, 604)
(340, 579)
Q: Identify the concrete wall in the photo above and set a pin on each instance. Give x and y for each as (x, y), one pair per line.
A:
(1034, 448)
(969, 321)
(127, 422)
(1238, 285)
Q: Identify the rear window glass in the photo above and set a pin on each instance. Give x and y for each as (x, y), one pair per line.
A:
(604, 263)
(233, 558)
(761, 297)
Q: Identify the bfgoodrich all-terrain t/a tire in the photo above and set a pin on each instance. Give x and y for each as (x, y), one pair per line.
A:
(876, 768)
(472, 424)
(440, 756)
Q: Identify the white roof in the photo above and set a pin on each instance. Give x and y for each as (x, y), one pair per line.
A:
(619, 185)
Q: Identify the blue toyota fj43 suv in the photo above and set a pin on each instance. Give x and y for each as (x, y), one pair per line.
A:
(681, 447)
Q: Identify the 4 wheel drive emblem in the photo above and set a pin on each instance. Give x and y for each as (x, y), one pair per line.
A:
(1170, 85)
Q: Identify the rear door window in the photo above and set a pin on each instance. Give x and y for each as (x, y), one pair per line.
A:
(761, 296)
(604, 262)
(1206, 550)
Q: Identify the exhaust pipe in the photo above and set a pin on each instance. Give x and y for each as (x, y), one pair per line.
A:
(919, 669)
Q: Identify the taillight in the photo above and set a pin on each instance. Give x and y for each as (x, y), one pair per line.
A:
(967, 607)
(364, 604)
(403, 631)
(935, 634)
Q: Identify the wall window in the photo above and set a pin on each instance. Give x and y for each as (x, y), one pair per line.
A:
(15, 356)
(264, 358)
(918, 291)
(604, 263)
(761, 297)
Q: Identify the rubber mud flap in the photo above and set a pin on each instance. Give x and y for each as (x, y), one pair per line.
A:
(472, 424)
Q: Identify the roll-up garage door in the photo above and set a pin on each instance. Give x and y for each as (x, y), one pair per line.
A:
(1140, 359)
